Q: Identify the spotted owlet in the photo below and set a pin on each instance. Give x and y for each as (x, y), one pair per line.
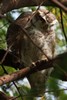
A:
(38, 45)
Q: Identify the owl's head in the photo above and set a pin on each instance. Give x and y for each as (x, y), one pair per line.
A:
(38, 21)
(41, 19)
(47, 18)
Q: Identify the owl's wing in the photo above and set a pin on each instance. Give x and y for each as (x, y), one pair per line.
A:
(15, 35)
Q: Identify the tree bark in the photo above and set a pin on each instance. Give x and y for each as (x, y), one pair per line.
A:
(38, 66)
(15, 4)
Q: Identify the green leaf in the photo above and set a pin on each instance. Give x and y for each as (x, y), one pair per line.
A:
(60, 67)
(53, 87)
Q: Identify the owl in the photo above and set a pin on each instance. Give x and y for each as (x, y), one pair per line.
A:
(36, 42)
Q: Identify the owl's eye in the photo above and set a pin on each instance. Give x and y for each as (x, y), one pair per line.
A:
(39, 17)
(47, 20)
(42, 20)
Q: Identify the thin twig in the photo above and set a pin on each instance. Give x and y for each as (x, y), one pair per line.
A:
(15, 98)
(47, 91)
(59, 4)
(33, 14)
(5, 54)
(13, 83)
(17, 90)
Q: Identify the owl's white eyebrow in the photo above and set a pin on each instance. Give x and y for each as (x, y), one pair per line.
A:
(53, 22)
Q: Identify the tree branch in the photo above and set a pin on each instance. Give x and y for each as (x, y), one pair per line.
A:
(25, 72)
(15, 4)
(10, 59)
(38, 66)
(3, 96)
(60, 5)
